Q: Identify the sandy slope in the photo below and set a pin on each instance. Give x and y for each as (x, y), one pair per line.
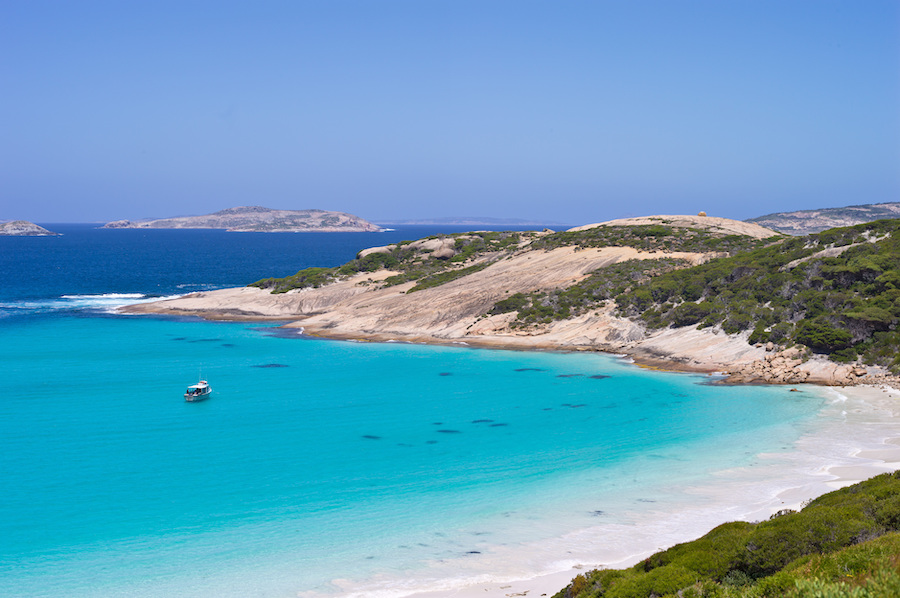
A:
(357, 308)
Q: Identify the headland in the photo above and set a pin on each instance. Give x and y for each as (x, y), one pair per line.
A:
(474, 289)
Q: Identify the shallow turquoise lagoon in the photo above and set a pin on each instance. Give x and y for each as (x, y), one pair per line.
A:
(320, 460)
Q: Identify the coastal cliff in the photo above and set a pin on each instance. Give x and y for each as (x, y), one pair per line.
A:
(589, 288)
(260, 219)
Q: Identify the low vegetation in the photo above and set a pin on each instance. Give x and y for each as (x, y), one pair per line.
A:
(601, 285)
(411, 262)
(845, 543)
(651, 237)
(836, 292)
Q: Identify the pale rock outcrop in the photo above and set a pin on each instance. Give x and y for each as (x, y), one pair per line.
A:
(711, 223)
(385, 249)
(795, 366)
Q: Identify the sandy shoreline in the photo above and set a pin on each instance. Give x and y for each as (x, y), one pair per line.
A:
(841, 453)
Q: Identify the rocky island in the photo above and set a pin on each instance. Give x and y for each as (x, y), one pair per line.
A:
(682, 292)
(260, 219)
(23, 228)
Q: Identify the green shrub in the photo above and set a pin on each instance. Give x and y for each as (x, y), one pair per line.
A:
(691, 313)
(310, 277)
(820, 335)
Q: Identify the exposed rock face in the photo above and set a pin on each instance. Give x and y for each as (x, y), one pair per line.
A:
(789, 367)
(805, 222)
(23, 228)
(260, 219)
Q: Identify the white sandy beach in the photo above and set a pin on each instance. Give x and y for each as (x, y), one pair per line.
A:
(858, 438)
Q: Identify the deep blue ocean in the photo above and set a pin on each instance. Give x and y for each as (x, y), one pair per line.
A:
(317, 467)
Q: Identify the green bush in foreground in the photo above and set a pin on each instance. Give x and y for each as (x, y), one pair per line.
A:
(843, 544)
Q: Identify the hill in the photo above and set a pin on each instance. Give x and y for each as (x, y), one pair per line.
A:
(836, 292)
(23, 228)
(260, 219)
(805, 222)
(679, 291)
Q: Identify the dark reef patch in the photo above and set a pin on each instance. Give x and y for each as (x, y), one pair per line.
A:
(530, 370)
(445, 374)
(450, 431)
(371, 437)
(498, 425)
(569, 375)
(482, 421)
(599, 377)
(271, 365)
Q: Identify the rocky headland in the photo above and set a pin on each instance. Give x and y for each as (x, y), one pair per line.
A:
(804, 222)
(23, 228)
(441, 290)
(260, 219)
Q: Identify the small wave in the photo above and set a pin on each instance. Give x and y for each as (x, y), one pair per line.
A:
(105, 302)
(105, 296)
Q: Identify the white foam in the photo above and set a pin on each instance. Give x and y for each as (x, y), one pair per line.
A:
(105, 296)
(104, 303)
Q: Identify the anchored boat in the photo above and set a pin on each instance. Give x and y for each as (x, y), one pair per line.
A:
(198, 392)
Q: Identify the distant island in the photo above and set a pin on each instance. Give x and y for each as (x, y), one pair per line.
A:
(471, 221)
(260, 219)
(23, 228)
(805, 222)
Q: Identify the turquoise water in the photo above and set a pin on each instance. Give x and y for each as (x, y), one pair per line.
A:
(319, 460)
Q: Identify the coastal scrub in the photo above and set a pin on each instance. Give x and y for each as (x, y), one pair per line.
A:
(844, 543)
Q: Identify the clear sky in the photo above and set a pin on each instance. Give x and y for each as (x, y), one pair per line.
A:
(564, 111)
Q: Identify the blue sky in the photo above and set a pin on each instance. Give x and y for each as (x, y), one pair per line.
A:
(561, 111)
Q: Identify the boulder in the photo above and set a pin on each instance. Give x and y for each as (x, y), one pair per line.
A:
(386, 249)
